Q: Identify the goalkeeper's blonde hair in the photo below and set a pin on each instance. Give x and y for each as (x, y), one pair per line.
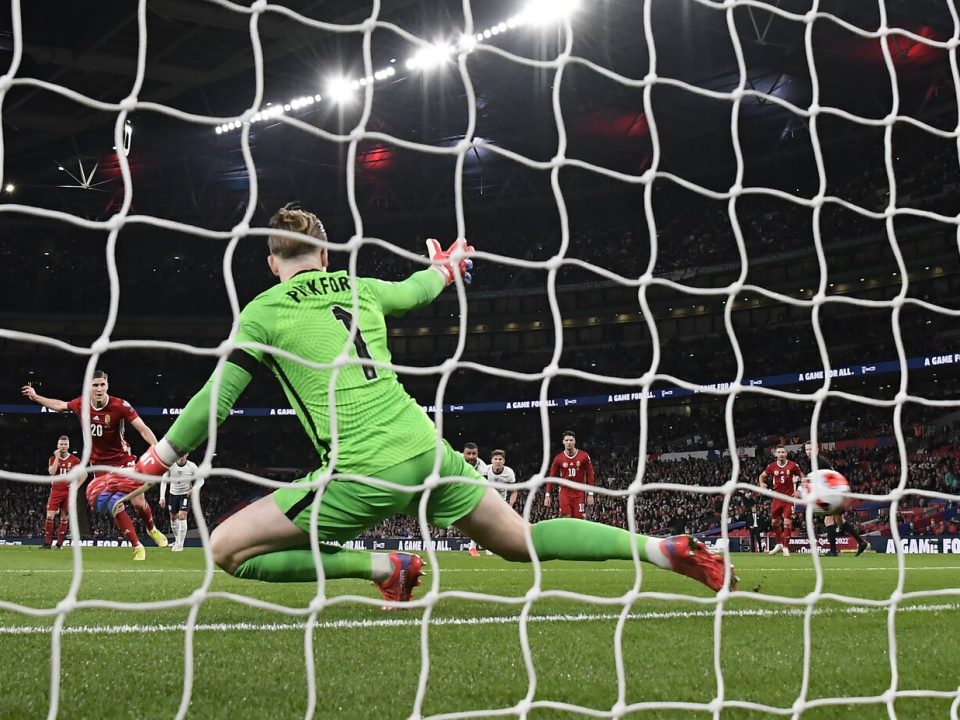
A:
(295, 220)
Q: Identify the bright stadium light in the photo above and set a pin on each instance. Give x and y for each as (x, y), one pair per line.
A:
(430, 56)
(9, 187)
(339, 90)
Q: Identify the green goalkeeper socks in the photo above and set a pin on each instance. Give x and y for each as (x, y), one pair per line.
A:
(569, 539)
(560, 539)
(297, 565)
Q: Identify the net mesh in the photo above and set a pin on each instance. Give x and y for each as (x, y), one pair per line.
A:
(557, 66)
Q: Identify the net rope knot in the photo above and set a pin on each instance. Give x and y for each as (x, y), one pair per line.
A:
(67, 605)
(100, 345)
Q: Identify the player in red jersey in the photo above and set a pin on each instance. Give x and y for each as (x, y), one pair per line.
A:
(109, 417)
(571, 464)
(786, 476)
(60, 463)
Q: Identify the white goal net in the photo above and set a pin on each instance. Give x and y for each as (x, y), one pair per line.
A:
(652, 259)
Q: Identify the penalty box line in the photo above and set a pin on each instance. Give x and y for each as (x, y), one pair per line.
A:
(443, 622)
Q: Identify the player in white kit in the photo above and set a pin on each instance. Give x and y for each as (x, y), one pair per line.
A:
(471, 453)
(499, 472)
(183, 481)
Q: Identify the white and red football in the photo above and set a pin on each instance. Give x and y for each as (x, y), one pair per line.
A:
(826, 490)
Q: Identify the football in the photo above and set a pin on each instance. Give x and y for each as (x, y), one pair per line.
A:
(826, 490)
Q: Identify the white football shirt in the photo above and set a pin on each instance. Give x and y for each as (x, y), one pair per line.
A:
(506, 476)
(481, 467)
(180, 478)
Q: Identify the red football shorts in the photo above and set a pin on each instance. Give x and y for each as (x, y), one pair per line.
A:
(124, 485)
(59, 499)
(571, 505)
(781, 508)
(109, 482)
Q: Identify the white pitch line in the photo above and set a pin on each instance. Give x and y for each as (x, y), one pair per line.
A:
(442, 622)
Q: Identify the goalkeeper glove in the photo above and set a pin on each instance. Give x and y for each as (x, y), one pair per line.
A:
(157, 459)
(443, 263)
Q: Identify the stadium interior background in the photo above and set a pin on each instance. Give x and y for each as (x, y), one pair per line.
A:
(54, 274)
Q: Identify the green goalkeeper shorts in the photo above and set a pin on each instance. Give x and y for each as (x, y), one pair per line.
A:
(348, 507)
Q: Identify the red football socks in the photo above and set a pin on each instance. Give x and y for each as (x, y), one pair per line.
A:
(146, 515)
(125, 526)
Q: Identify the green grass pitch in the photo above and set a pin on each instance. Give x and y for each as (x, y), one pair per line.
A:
(249, 662)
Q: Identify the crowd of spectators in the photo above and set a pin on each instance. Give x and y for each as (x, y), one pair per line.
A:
(612, 441)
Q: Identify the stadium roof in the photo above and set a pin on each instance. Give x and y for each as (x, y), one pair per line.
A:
(200, 60)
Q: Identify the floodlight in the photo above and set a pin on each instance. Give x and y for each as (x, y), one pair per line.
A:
(339, 90)
(430, 56)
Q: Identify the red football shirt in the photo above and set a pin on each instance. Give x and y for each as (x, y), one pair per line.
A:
(578, 468)
(65, 466)
(107, 426)
(784, 478)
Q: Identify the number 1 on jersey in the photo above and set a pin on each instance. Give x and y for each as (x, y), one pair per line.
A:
(369, 372)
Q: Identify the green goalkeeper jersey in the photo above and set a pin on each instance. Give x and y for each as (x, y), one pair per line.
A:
(378, 425)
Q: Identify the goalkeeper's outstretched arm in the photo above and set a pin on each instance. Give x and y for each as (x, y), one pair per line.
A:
(191, 428)
(423, 287)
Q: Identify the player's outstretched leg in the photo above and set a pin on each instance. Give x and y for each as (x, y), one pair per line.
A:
(142, 507)
(494, 524)
(110, 504)
(124, 489)
(407, 571)
(261, 543)
(128, 532)
(688, 556)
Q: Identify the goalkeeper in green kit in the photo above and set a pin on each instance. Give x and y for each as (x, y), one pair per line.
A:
(381, 432)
